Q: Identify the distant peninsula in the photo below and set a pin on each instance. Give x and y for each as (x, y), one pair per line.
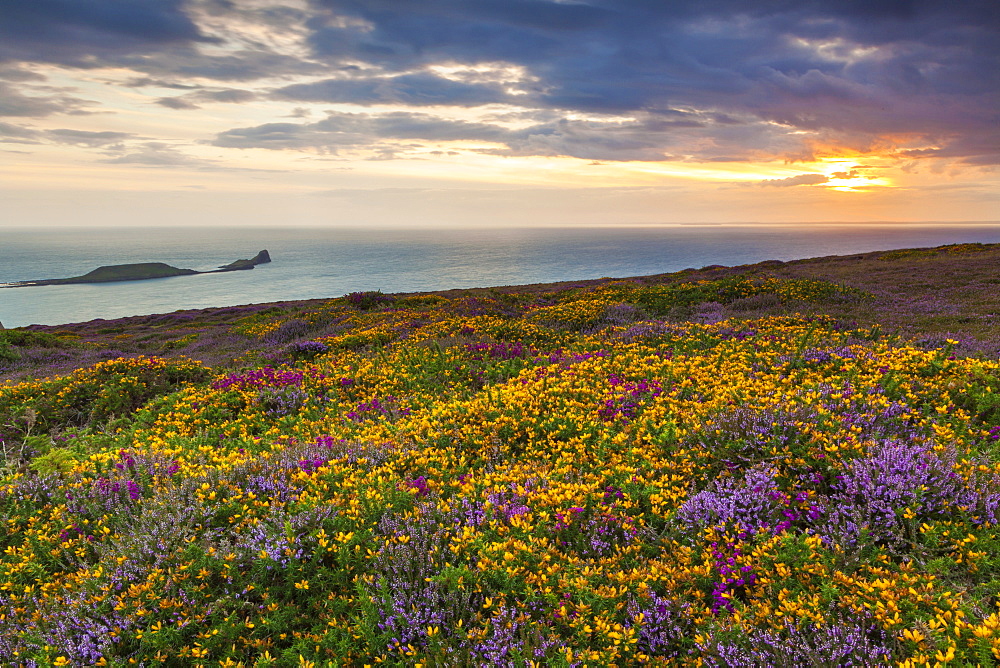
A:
(142, 271)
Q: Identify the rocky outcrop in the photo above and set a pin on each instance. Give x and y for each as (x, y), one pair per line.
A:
(260, 258)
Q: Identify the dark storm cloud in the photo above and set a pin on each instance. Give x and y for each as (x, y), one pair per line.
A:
(161, 39)
(852, 69)
(694, 79)
(75, 31)
(506, 30)
(422, 89)
(247, 64)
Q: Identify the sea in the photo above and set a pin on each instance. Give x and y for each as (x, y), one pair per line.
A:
(310, 263)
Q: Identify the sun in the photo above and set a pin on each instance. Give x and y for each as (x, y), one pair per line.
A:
(849, 176)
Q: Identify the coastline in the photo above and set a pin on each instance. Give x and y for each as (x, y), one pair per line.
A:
(318, 264)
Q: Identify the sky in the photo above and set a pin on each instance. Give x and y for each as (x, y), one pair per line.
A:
(480, 113)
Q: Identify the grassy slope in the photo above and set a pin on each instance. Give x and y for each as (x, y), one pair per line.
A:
(664, 469)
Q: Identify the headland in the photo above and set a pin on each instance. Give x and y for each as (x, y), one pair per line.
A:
(142, 271)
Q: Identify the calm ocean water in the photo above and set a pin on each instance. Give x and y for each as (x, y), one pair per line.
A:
(315, 263)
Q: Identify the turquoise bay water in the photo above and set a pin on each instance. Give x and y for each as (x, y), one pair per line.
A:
(315, 263)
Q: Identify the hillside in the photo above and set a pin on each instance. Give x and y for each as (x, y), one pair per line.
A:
(130, 272)
(780, 464)
(930, 294)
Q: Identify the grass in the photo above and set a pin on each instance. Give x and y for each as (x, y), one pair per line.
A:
(780, 464)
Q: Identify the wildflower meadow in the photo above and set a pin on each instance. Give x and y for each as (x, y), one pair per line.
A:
(620, 473)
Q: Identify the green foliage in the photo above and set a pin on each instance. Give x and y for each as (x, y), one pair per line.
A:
(26, 338)
(56, 460)
(7, 353)
(12, 341)
(914, 253)
(94, 396)
(677, 300)
(981, 398)
(38, 444)
(181, 342)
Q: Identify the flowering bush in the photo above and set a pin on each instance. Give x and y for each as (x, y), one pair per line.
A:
(512, 480)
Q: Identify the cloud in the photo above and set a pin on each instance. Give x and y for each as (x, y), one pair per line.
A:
(144, 82)
(13, 73)
(229, 95)
(193, 100)
(585, 139)
(982, 149)
(163, 41)
(420, 89)
(26, 135)
(797, 180)
(674, 136)
(156, 154)
(851, 71)
(19, 134)
(246, 64)
(712, 80)
(180, 102)
(73, 33)
(86, 137)
(277, 136)
(340, 130)
(648, 139)
(14, 103)
(450, 30)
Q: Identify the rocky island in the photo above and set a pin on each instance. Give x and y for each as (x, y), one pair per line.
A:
(142, 271)
(260, 258)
